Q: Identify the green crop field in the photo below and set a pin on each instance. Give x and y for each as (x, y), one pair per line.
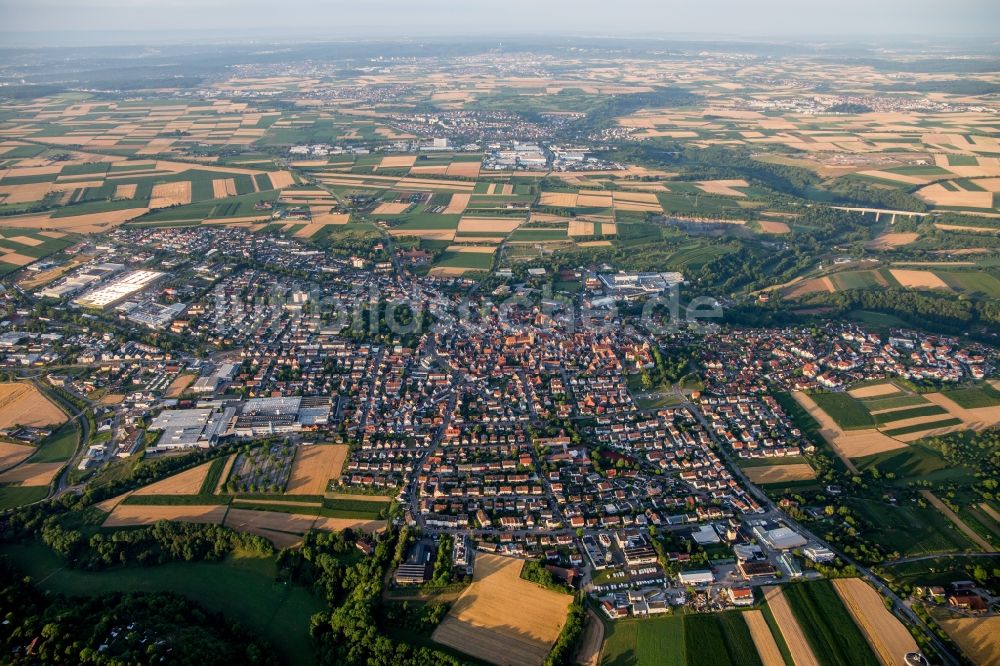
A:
(14, 496)
(921, 427)
(893, 402)
(855, 280)
(717, 639)
(653, 642)
(909, 529)
(477, 260)
(978, 283)
(827, 624)
(977, 396)
(846, 411)
(242, 587)
(912, 412)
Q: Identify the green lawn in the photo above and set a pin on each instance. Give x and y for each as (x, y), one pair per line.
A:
(243, 588)
(848, 412)
(477, 260)
(58, 446)
(827, 624)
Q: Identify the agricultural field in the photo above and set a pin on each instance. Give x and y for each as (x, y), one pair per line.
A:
(684, 640)
(777, 474)
(879, 418)
(887, 636)
(22, 404)
(314, 468)
(502, 618)
(979, 638)
(827, 625)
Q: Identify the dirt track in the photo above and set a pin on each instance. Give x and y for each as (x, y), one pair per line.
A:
(589, 653)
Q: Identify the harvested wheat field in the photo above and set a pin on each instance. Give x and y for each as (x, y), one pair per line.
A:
(723, 187)
(558, 199)
(180, 384)
(463, 169)
(17, 259)
(165, 195)
(806, 287)
(397, 161)
(763, 639)
(771, 227)
(874, 391)
(780, 473)
(503, 619)
(125, 191)
(979, 637)
(313, 468)
(248, 520)
(281, 179)
(337, 524)
(888, 241)
(489, 224)
(23, 404)
(390, 208)
(918, 279)
(186, 483)
(459, 202)
(798, 646)
(130, 515)
(939, 195)
(223, 187)
(885, 633)
(11, 454)
(473, 249)
(32, 474)
(226, 469)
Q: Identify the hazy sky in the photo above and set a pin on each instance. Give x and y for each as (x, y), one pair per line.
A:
(372, 19)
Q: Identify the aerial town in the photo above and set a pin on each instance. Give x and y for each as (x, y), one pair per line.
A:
(602, 353)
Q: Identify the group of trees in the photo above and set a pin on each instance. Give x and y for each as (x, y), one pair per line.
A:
(350, 633)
